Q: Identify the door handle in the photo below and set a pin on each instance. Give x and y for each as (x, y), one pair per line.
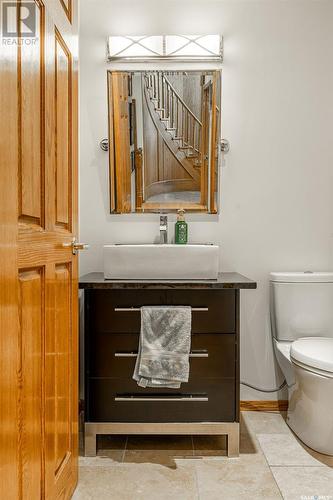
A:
(75, 246)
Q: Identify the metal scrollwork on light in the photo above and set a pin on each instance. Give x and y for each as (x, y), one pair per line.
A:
(166, 47)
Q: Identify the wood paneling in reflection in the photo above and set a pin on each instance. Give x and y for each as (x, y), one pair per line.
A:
(213, 164)
(205, 142)
(163, 173)
(120, 160)
(31, 131)
(30, 378)
(63, 144)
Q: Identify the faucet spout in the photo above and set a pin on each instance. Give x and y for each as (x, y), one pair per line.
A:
(163, 229)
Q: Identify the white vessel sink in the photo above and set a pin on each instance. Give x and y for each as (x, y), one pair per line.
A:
(171, 262)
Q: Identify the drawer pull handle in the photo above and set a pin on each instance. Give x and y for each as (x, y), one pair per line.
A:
(193, 354)
(136, 309)
(199, 354)
(182, 399)
(125, 354)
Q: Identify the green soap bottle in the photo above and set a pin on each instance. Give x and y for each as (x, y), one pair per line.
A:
(181, 232)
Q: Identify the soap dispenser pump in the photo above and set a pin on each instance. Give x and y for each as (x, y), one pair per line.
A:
(181, 232)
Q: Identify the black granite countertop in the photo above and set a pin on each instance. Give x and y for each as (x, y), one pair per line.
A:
(224, 280)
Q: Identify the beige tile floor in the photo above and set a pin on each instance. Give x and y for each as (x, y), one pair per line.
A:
(273, 464)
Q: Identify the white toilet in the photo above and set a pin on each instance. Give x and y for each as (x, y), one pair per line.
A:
(302, 328)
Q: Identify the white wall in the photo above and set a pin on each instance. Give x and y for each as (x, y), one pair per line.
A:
(277, 200)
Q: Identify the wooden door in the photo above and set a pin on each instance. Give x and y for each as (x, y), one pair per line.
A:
(211, 132)
(206, 93)
(119, 136)
(214, 144)
(38, 292)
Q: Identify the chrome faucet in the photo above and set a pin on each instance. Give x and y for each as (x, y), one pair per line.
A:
(163, 229)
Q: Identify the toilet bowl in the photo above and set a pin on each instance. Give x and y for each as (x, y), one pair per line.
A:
(302, 327)
(308, 367)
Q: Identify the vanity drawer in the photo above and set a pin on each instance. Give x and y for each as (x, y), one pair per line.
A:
(219, 306)
(121, 400)
(108, 309)
(213, 311)
(114, 355)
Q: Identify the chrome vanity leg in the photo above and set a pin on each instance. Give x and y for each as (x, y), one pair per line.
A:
(233, 440)
(89, 441)
(231, 429)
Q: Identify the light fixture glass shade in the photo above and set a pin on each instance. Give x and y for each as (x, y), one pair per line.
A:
(167, 47)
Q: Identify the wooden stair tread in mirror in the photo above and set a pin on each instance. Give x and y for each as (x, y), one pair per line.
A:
(164, 129)
(38, 292)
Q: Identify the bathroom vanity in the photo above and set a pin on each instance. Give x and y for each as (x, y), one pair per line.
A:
(207, 404)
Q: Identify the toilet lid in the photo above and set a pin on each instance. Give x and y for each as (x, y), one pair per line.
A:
(316, 352)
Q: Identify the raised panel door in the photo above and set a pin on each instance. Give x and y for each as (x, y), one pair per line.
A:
(38, 292)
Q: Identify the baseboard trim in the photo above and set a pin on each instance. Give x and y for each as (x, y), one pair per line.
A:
(281, 405)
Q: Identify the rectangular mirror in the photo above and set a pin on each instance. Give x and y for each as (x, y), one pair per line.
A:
(164, 135)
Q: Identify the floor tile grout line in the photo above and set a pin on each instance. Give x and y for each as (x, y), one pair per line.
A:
(288, 466)
(277, 484)
(269, 467)
(294, 436)
(125, 447)
(197, 480)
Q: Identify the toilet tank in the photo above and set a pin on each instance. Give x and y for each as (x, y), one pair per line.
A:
(301, 305)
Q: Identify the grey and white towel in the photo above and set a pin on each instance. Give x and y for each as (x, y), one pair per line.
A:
(164, 346)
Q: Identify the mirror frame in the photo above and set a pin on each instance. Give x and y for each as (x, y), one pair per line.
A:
(119, 185)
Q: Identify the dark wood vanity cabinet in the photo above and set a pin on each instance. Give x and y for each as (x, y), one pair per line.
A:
(111, 336)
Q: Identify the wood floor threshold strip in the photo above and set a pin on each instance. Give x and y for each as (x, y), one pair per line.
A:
(281, 405)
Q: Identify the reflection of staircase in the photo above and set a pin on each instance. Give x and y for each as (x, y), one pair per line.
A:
(180, 128)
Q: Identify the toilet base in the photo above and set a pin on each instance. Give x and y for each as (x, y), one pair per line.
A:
(310, 410)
